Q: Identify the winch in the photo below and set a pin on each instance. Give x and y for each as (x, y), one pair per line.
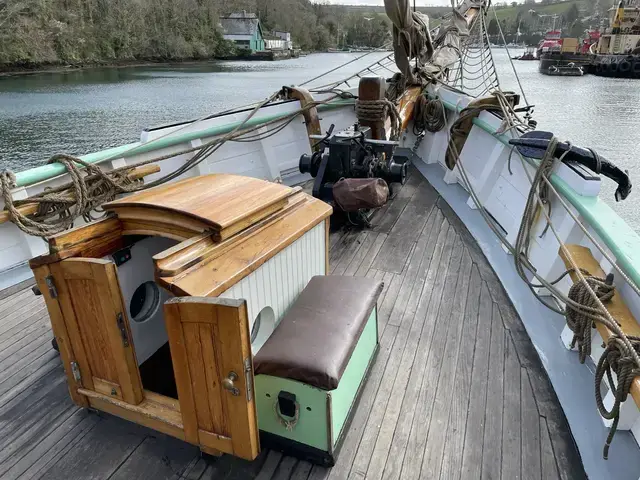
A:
(352, 153)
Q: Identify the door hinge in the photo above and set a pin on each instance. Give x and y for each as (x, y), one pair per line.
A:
(53, 291)
(248, 377)
(75, 370)
(122, 328)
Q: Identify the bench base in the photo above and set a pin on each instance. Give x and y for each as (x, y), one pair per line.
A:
(323, 416)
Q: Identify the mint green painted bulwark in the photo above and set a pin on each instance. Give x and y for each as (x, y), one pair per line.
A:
(46, 172)
(619, 237)
(313, 425)
(342, 397)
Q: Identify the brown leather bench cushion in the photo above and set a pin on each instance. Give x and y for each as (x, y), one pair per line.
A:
(315, 339)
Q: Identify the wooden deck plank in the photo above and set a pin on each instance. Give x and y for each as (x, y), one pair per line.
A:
(408, 381)
(530, 425)
(416, 273)
(360, 255)
(511, 414)
(158, 456)
(406, 231)
(474, 432)
(454, 442)
(301, 470)
(411, 405)
(350, 252)
(114, 439)
(53, 446)
(433, 309)
(446, 389)
(34, 375)
(492, 443)
(365, 449)
(270, 465)
(367, 261)
(547, 455)
(285, 469)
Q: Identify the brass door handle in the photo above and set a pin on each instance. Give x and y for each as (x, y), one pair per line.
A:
(228, 384)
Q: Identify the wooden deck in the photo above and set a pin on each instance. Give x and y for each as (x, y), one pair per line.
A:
(457, 389)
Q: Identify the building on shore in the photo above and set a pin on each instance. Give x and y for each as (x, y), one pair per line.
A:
(244, 29)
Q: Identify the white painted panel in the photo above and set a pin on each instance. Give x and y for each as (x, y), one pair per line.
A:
(278, 282)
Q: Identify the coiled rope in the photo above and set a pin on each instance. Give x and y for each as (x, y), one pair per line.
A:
(428, 114)
(581, 321)
(378, 111)
(617, 358)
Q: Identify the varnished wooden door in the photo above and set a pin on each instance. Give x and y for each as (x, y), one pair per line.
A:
(213, 366)
(89, 297)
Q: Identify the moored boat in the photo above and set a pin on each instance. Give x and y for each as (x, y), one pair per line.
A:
(568, 70)
(474, 375)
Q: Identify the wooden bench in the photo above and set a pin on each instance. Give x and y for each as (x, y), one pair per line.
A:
(309, 372)
(584, 259)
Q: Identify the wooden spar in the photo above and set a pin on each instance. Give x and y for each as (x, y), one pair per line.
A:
(32, 208)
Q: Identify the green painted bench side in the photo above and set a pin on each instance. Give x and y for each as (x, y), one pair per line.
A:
(342, 398)
(616, 234)
(312, 427)
(45, 172)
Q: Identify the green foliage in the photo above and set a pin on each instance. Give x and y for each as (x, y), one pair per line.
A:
(39, 32)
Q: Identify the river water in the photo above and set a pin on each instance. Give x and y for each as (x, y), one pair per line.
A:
(83, 111)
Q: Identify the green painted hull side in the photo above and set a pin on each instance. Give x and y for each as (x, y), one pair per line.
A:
(312, 428)
(342, 398)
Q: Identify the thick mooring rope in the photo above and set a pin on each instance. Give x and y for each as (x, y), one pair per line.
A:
(378, 111)
(581, 320)
(616, 358)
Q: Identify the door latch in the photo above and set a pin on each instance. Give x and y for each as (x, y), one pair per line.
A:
(122, 328)
(248, 378)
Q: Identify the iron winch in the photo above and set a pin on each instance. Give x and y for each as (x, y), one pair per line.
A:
(352, 153)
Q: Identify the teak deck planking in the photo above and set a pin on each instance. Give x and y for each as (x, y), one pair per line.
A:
(424, 409)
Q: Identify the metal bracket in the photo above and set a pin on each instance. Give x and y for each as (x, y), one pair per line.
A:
(122, 328)
(248, 377)
(53, 291)
(75, 370)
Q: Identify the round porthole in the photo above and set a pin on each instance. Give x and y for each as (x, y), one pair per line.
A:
(262, 327)
(144, 302)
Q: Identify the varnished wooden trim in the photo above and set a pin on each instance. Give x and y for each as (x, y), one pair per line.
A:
(311, 118)
(215, 442)
(61, 333)
(156, 416)
(180, 360)
(106, 387)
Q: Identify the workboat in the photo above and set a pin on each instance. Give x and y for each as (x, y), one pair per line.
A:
(617, 52)
(375, 277)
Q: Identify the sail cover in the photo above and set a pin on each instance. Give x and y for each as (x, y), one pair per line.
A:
(412, 39)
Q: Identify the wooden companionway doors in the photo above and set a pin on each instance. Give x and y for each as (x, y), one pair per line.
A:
(211, 353)
(210, 349)
(89, 321)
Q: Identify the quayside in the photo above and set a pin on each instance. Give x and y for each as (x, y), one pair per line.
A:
(457, 389)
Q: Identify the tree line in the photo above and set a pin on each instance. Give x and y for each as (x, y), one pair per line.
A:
(50, 32)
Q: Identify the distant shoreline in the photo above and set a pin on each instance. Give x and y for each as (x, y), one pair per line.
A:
(14, 71)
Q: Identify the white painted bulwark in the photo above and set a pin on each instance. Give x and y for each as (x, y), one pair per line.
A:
(278, 282)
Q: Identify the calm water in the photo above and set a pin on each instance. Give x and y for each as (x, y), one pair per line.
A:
(85, 111)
